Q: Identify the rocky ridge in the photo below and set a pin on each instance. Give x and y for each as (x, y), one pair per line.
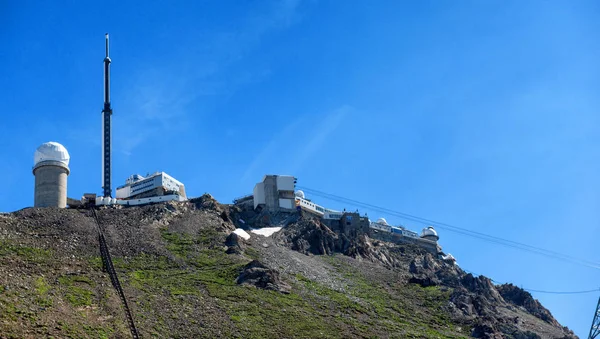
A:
(187, 275)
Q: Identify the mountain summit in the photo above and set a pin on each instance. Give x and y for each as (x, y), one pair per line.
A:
(201, 269)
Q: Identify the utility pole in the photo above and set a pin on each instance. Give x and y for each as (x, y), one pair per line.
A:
(595, 330)
(106, 129)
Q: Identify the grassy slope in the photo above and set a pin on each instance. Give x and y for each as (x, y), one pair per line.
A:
(193, 294)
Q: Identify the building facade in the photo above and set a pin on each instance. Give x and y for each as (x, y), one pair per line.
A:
(157, 184)
(274, 193)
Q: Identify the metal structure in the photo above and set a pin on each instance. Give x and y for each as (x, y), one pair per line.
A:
(595, 330)
(114, 279)
(106, 129)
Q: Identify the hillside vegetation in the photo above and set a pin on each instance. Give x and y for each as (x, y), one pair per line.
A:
(186, 276)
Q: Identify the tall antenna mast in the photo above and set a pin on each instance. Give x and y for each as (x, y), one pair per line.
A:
(106, 128)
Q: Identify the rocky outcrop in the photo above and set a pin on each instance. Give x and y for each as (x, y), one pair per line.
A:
(207, 201)
(312, 237)
(257, 274)
(235, 244)
(429, 271)
(521, 298)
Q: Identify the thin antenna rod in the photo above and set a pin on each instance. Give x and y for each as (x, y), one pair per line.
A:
(107, 78)
(106, 35)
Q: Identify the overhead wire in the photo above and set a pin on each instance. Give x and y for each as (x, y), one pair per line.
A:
(534, 290)
(561, 292)
(456, 229)
(479, 235)
(596, 290)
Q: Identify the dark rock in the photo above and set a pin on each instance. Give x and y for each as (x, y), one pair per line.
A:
(235, 244)
(482, 286)
(206, 201)
(484, 329)
(257, 274)
(311, 237)
(522, 298)
(224, 216)
(428, 271)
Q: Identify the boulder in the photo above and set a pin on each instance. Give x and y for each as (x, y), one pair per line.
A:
(235, 244)
(257, 274)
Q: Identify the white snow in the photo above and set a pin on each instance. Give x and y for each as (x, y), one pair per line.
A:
(242, 233)
(266, 231)
(448, 257)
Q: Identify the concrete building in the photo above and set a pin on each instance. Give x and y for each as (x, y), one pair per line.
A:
(155, 185)
(275, 192)
(398, 234)
(51, 168)
(348, 223)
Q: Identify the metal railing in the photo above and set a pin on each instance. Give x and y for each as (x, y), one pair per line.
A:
(114, 279)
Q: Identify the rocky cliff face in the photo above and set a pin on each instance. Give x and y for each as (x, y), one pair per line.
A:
(186, 275)
(492, 310)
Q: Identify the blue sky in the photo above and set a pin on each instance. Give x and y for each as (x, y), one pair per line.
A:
(481, 114)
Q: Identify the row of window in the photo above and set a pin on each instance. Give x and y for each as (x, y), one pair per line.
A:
(141, 188)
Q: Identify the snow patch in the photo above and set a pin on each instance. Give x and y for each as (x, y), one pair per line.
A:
(242, 233)
(266, 231)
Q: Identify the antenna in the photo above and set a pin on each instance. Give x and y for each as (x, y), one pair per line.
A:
(106, 128)
(106, 36)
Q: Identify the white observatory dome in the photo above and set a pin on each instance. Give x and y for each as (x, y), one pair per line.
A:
(51, 151)
(382, 221)
(299, 194)
(429, 231)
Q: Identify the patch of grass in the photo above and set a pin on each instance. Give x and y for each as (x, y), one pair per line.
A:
(78, 291)
(33, 254)
(9, 311)
(96, 262)
(41, 286)
(252, 253)
(407, 309)
(268, 314)
(98, 332)
(78, 296)
(341, 300)
(71, 280)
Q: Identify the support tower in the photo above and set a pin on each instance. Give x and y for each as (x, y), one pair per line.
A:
(595, 330)
(106, 129)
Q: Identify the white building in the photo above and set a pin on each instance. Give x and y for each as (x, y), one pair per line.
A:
(157, 184)
(51, 168)
(275, 192)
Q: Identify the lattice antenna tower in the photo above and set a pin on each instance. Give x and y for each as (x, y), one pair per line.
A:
(106, 129)
(595, 330)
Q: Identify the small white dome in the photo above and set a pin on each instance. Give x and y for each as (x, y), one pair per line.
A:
(299, 194)
(382, 221)
(429, 231)
(51, 151)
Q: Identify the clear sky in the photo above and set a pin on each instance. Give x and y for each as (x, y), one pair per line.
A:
(481, 114)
